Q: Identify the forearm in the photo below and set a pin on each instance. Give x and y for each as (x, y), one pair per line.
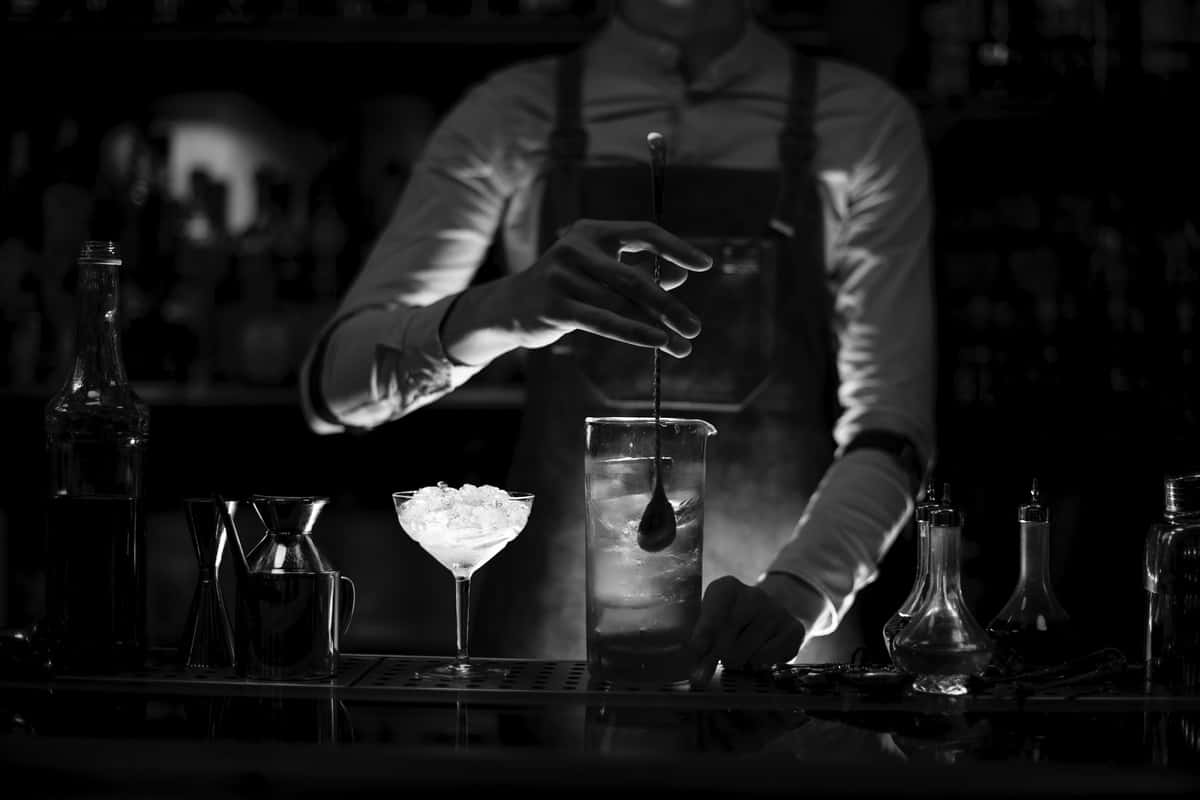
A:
(386, 361)
(860, 507)
(478, 326)
(377, 364)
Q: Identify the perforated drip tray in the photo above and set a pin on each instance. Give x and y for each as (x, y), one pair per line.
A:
(163, 670)
(567, 679)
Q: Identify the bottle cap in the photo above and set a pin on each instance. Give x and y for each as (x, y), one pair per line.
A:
(1183, 494)
(98, 252)
(1034, 511)
(945, 516)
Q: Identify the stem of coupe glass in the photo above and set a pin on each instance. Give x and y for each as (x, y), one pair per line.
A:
(462, 600)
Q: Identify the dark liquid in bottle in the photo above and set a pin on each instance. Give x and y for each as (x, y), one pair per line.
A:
(1019, 649)
(96, 583)
(288, 625)
(1177, 664)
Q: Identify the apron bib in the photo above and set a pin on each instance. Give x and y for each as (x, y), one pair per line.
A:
(761, 372)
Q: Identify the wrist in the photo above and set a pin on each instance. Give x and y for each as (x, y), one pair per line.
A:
(799, 598)
(477, 327)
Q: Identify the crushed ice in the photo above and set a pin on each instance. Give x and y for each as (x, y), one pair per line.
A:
(469, 511)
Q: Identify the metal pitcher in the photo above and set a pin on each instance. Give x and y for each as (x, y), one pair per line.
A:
(292, 606)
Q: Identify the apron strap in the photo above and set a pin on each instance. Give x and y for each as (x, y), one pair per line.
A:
(568, 140)
(798, 220)
(797, 145)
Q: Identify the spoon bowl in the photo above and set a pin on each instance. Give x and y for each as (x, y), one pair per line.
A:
(656, 530)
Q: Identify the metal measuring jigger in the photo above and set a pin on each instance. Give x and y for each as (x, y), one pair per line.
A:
(208, 638)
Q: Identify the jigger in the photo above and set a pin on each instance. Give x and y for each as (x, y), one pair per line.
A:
(208, 637)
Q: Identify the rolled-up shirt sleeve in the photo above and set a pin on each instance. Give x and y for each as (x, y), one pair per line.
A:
(884, 325)
(381, 357)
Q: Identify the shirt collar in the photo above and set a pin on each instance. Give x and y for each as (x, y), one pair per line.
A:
(623, 41)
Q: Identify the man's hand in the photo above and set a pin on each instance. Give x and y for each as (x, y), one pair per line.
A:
(579, 283)
(742, 626)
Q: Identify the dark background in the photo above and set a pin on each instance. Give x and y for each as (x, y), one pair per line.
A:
(1066, 253)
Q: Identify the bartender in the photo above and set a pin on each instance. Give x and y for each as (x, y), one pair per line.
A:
(795, 297)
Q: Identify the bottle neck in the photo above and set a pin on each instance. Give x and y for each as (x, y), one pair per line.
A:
(944, 576)
(98, 361)
(1035, 556)
(922, 551)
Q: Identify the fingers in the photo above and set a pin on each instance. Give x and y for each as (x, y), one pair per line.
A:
(638, 286)
(784, 645)
(741, 626)
(746, 648)
(719, 600)
(602, 322)
(615, 326)
(589, 292)
(670, 276)
(621, 236)
(738, 623)
(592, 290)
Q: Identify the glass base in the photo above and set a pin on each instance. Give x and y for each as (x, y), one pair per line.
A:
(942, 684)
(464, 671)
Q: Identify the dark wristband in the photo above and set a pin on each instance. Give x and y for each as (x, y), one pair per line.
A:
(898, 446)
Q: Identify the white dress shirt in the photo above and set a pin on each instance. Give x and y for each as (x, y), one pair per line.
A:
(482, 175)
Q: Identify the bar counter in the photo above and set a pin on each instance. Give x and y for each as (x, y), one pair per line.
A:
(383, 725)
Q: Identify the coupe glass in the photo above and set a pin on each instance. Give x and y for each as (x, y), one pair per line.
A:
(463, 529)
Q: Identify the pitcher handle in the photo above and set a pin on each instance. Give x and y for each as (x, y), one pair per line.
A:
(347, 611)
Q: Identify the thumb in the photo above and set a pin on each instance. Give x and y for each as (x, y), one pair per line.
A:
(718, 600)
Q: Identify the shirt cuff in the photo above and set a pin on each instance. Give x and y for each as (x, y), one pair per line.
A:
(802, 600)
(859, 509)
(416, 369)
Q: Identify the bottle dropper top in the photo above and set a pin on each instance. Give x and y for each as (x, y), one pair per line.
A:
(944, 514)
(928, 503)
(1034, 511)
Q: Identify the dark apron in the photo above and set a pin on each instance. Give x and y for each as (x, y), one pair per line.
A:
(761, 371)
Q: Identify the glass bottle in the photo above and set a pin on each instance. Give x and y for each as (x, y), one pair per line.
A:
(943, 645)
(1173, 590)
(903, 614)
(1032, 629)
(96, 436)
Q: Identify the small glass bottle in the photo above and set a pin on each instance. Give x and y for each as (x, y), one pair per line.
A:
(1032, 629)
(904, 614)
(1173, 590)
(943, 645)
(96, 436)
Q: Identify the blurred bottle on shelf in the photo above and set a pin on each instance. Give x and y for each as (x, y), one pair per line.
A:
(948, 27)
(66, 206)
(289, 260)
(20, 312)
(257, 347)
(158, 347)
(20, 316)
(23, 10)
(202, 259)
(328, 235)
